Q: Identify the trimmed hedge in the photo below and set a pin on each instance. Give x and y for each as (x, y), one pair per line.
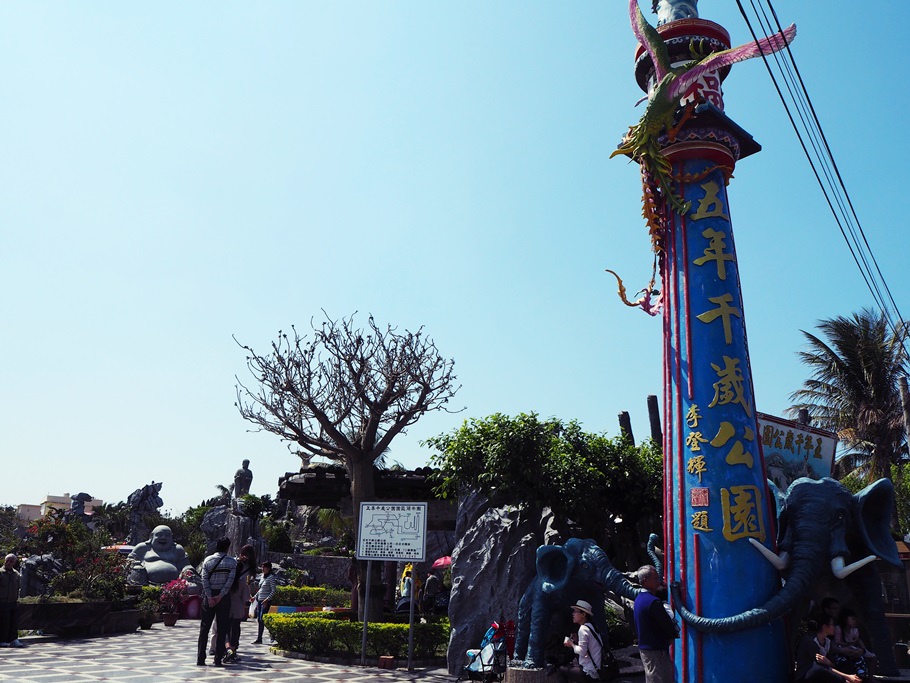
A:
(312, 596)
(319, 634)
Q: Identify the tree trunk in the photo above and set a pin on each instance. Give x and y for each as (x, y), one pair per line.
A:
(363, 490)
(363, 487)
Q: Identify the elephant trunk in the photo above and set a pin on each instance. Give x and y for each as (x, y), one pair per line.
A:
(619, 584)
(798, 584)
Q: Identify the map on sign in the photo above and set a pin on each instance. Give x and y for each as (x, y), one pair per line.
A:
(392, 531)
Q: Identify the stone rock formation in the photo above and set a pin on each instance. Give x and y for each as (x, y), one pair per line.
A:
(492, 565)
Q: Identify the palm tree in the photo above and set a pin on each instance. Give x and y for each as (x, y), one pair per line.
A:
(855, 365)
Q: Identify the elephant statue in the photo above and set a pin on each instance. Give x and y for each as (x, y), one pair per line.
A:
(578, 570)
(822, 527)
(652, 549)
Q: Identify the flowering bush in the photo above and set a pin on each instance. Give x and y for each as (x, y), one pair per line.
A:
(173, 595)
(93, 577)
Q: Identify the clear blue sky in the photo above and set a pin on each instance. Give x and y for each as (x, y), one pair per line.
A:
(176, 173)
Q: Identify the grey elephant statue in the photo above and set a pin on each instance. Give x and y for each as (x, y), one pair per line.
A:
(578, 570)
(823, 528)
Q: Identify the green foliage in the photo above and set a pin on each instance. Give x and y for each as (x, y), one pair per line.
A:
(525, 460)
(855, 481)
(11, 528)
(316, 635)
(621, 634)
(66, 539)
(99, 577)
(254, 506)
(113, 518)
(149, 599)
(855, 363)
(900, 476)
(277, 534)
(312, 596)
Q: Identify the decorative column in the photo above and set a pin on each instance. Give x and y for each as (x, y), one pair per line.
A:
(715, 497)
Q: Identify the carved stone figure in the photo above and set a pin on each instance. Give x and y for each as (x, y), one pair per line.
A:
(243, 478)
(77, 507)
(671, 10)
(822, 527)
(37, 572)
(578, 570)
(159, 559)
(142, 502)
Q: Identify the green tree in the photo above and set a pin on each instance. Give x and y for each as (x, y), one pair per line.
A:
(605, 485)
(114, 518)
(855, 364)
(11, 528)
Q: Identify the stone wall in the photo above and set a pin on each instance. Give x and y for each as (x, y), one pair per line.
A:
(324, 570)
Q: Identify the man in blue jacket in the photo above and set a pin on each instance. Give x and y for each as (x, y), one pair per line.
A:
(656, 630)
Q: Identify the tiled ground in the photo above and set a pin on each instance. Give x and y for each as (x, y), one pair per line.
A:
(168, 655)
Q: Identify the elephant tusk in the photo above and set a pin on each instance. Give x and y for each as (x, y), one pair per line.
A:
(780, 562)
(842, 572)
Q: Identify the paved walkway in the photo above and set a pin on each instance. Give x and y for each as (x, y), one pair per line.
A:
(168, 655)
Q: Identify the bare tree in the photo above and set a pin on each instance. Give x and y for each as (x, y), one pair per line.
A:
(345, 393)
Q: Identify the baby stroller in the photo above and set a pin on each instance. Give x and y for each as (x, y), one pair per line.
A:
(488, 662)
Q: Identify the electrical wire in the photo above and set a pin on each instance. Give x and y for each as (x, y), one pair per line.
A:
(821, 160)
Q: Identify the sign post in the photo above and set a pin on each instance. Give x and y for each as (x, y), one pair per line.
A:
(394, 532)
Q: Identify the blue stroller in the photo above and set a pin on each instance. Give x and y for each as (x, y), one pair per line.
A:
(488, 662)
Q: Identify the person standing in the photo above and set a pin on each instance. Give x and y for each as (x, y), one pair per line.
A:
(240, 598)
(10, 580)
(267, 588)
(218, 572)
(656, 630)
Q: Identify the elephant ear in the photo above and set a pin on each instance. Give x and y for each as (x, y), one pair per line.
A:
(553, 566)
(874, 505)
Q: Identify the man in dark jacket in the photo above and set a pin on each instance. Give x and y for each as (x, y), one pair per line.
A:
(10, 581)
(656, 630)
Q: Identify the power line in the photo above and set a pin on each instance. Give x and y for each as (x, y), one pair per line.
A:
(821, 161)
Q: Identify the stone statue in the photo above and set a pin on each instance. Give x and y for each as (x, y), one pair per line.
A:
(77, 507)
(671, 10)
(242, 480)
(142, 502)
(157, 560)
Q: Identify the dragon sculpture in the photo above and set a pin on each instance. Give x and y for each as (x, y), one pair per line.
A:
(642, 142)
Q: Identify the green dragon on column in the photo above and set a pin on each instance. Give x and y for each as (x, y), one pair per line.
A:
(642, 143)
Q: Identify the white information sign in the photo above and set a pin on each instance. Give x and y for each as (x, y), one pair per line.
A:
(392, 531)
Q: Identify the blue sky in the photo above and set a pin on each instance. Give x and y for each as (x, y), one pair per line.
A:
(177, 173)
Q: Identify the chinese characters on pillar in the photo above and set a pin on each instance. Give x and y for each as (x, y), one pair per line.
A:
(717, 433)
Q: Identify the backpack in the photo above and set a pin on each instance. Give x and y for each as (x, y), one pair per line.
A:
(609, 667)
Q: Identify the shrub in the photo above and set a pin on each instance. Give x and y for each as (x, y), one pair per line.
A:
(621, 634)
(312, 596)
(319, 634)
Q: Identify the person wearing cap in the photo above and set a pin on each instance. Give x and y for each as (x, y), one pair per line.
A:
(588, 649)
(656, 630)
(10, 581)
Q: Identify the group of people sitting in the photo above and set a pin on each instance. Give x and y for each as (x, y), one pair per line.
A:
(832, 650)
(431, 597)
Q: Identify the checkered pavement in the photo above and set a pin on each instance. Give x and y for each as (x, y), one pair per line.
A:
(168, 655)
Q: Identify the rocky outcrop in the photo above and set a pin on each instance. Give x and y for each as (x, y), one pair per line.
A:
(220, 521)
(492, 565)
